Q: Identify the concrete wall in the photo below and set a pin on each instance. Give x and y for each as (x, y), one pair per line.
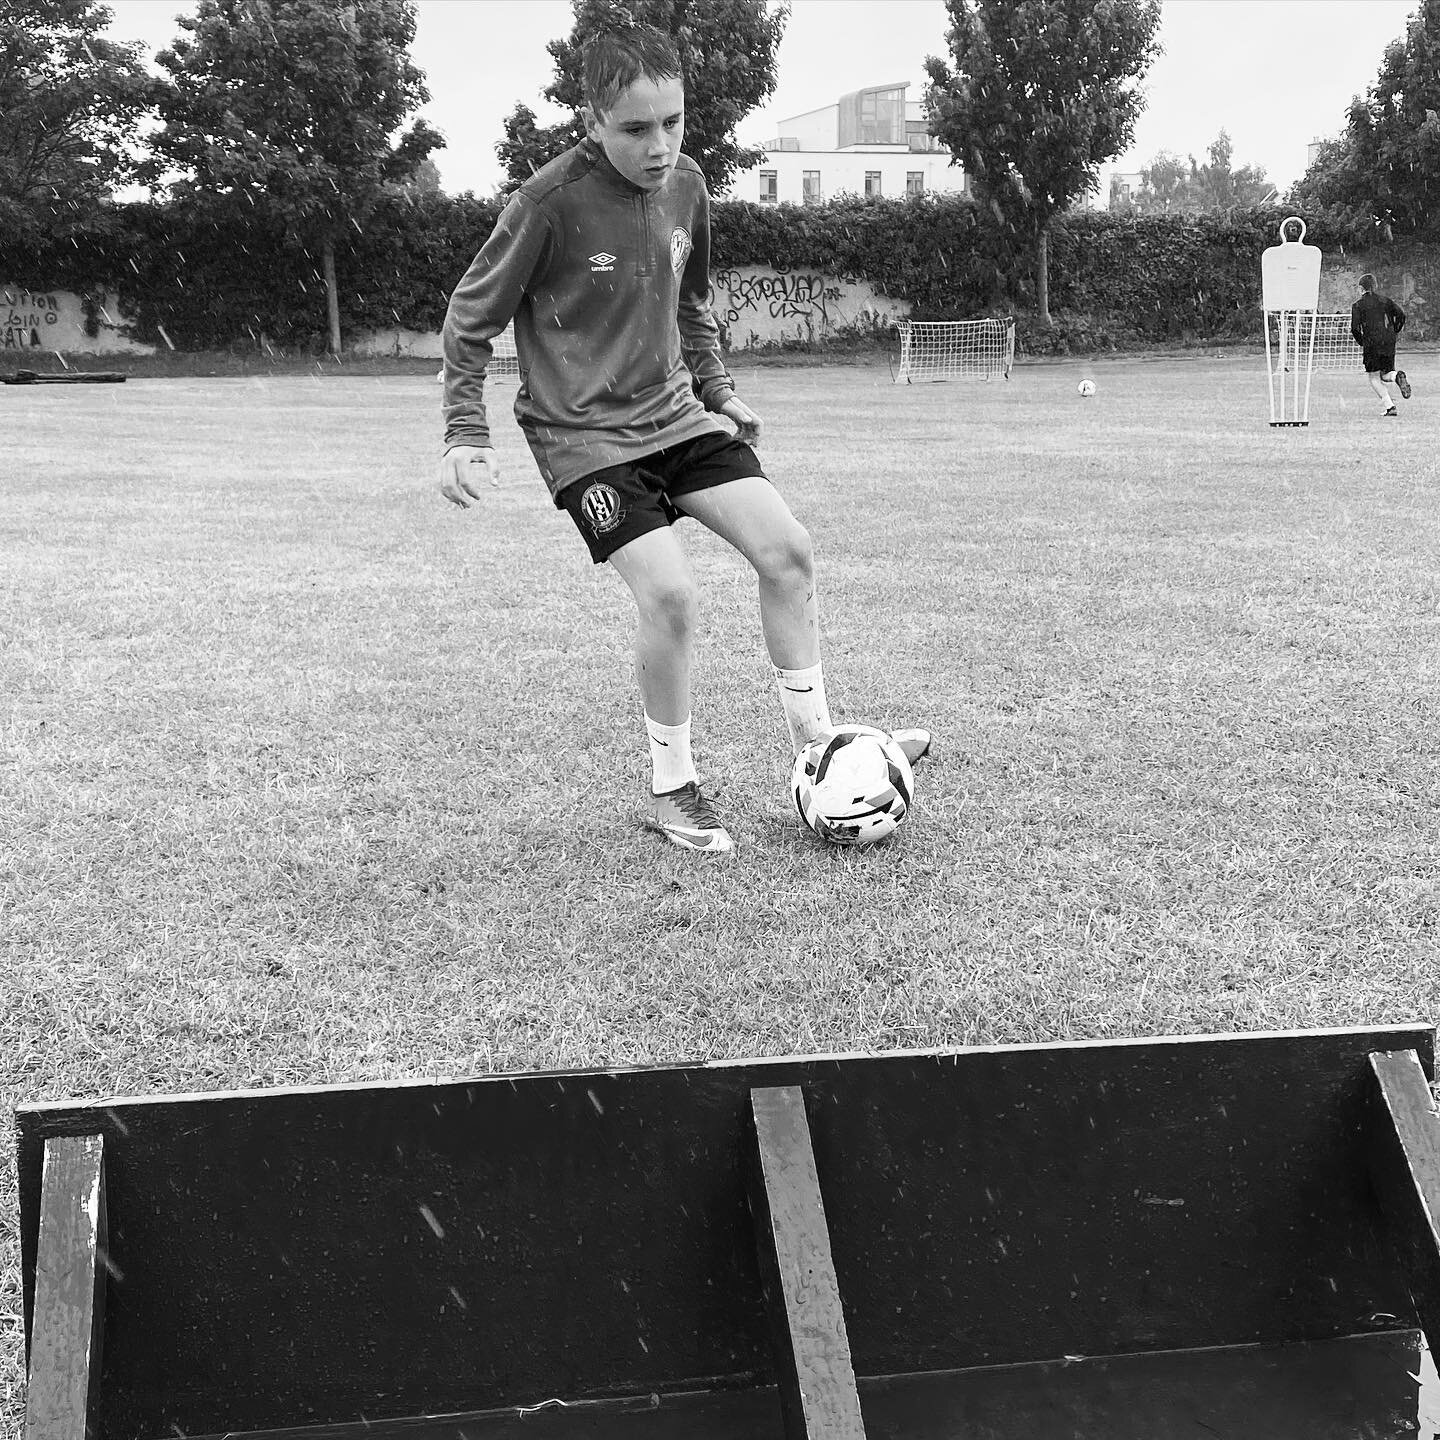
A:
(754, 306)
(1411, 278)
(33, 322)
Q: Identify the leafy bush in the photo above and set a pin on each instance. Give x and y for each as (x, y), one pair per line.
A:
(1116, 282)
(211, 285)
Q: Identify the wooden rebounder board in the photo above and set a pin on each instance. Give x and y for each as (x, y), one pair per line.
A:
(1290, 295)
(809, 1247)
(71, 377)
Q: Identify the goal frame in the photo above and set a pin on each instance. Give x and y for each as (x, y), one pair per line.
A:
(943, 341)
(1323, 337)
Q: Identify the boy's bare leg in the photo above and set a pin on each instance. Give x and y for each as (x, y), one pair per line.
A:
(753, 517)
(655, 569)
(1377, 384)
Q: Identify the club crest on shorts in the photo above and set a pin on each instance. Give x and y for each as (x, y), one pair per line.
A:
(679, 247)
(600, 505)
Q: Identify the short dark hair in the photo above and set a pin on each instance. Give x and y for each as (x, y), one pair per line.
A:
(616, 58)
(1367, 281)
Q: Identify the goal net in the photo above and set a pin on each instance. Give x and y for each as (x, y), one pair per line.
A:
(956, 349)
(504, 360)
(1311, 340)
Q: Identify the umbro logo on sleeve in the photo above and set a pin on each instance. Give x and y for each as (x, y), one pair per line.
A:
(602, 261)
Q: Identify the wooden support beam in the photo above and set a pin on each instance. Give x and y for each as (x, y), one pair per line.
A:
(69, 1291)
(818, 1396)
(1405, 1172)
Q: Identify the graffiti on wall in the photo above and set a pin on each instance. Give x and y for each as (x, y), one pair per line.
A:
(755, 305)
(780, 294)
(25, 316)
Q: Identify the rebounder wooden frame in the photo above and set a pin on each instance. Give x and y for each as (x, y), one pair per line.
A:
(791, 1248)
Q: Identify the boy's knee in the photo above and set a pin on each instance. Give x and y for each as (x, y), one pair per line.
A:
(672, 605)
(790, 556)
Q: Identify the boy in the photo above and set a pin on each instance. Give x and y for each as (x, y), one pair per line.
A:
(602, 259)
(1375, 321)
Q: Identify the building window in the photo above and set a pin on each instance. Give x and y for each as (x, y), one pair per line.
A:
(811, 182)
(914, 182)
(769, 187)
(918, 136)
(872, 117)
(872, 184)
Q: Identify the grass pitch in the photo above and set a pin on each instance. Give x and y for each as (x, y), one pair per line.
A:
(306, 775)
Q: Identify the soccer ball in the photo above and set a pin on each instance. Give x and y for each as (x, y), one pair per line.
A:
(852, 785)
(1087, 388)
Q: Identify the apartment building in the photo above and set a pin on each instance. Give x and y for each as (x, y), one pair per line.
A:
(870, 142)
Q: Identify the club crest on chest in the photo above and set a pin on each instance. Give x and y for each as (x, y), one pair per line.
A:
(679, 248)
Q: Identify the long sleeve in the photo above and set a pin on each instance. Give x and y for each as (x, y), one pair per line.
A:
(1397, 316)
(699, 334)
(482, 304)
(1357, 329)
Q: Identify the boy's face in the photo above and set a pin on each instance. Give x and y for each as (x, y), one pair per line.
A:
(641, 131)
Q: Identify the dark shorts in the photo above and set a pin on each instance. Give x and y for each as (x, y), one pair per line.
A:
(1377, 360)
(614, 506)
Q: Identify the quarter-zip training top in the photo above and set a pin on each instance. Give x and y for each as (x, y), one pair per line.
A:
(608, 286)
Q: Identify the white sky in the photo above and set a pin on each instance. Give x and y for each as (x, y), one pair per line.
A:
(1275, 74)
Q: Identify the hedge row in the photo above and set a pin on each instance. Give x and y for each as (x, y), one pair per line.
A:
(213, 283)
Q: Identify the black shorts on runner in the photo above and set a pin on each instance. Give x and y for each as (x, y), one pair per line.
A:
(614, 506)
(1378, 361)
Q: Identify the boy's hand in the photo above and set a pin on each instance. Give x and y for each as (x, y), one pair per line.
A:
(750, 424)
(461, 471)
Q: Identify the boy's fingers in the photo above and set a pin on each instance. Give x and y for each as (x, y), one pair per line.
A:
(459, 480)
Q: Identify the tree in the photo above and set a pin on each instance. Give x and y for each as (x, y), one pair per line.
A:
(423, 180)
(1165, 186)
(1172, 186)
(69, 104)
(290, 106)
(1335, 186)
(1218, 187)
(1041, 93)
(1386, 164)
(727, 53)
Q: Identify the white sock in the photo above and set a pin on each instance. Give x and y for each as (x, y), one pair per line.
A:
(802, 694)
(670, 760)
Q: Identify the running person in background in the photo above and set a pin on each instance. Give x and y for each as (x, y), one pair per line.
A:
(602, 260)
(1375, 323)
